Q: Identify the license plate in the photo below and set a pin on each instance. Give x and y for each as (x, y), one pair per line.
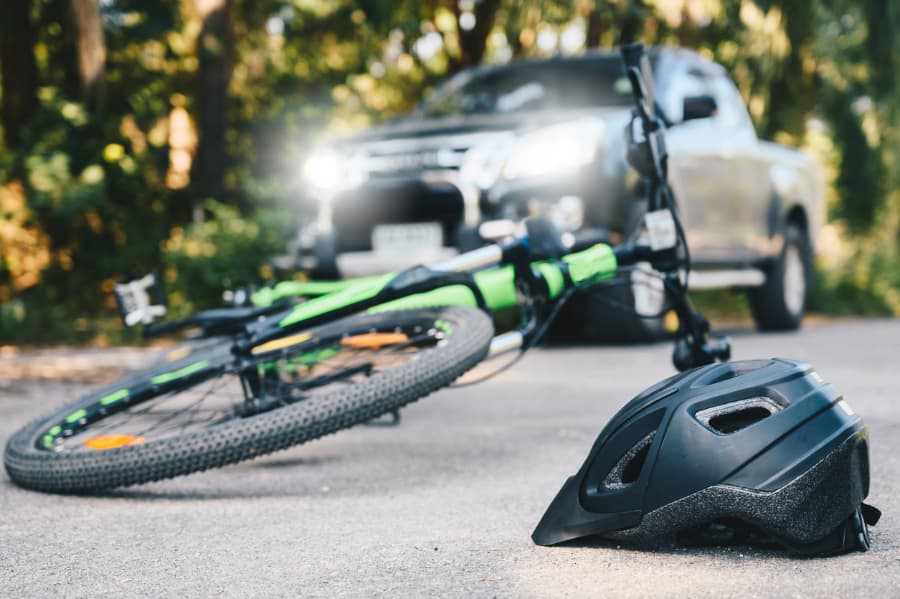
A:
(412, 237)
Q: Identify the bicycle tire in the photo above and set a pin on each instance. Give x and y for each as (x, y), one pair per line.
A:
(38, 460)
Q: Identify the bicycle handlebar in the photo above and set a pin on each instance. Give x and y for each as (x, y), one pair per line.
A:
(640, 74)
(647, 154)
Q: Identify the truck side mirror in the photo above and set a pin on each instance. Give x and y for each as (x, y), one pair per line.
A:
(699, 107)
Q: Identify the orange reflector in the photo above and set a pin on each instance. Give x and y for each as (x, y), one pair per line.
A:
(177, 354)
(280, 343)
(374, 340)
(112, 441)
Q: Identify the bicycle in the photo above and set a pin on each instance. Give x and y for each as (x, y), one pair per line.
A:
(277, 375)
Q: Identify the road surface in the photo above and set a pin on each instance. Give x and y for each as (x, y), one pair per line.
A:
(442, 505)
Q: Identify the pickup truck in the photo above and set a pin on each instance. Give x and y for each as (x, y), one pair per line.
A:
(495, 144)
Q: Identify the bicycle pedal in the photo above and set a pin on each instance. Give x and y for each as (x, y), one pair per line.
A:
(134, 301)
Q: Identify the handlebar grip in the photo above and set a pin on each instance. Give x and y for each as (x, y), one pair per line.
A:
(632, 54)
(720, 348)
(593, 264)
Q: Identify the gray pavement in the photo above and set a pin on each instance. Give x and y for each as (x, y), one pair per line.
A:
(443, 505)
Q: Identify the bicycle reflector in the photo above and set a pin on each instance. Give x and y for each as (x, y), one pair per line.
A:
(133, 299)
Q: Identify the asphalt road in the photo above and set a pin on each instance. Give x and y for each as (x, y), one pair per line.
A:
(442, 505)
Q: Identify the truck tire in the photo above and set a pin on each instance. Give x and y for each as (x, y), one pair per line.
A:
(779, 304)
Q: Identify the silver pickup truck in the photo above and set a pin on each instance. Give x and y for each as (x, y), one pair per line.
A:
(495, 144)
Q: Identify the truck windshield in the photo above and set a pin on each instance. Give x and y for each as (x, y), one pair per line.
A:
(532, 86)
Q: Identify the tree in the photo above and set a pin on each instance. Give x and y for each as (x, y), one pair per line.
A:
(473, 39)
(90, 46)
(215, 50)
(18, 71)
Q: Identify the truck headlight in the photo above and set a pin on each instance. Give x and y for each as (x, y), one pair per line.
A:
(330, 171)
(483, 163)
(554, 150)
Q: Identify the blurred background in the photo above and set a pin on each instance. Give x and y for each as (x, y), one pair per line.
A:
(170, 135)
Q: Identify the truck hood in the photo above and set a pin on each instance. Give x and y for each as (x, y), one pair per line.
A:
(417, 127)
(412, 144)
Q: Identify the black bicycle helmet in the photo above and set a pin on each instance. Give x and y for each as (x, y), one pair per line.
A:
(751, 451)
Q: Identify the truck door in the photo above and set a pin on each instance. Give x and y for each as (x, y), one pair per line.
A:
(705, 172)
(750, 231)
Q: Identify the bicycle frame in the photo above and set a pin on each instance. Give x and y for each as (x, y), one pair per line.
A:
(490, 278)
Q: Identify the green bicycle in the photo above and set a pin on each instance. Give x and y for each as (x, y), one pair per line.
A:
(278, 374)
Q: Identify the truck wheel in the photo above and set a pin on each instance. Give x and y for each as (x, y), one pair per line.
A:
(780, 303)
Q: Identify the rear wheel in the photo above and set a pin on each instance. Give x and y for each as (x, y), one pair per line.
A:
(780, 303)
(209, 409)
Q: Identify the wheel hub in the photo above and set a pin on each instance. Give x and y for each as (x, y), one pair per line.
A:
(794, 280)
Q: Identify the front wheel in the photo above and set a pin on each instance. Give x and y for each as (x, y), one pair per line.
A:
(780, 303)
(209, 408)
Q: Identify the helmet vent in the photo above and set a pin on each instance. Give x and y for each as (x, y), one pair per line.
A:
(634, 466)
(628, 469)
(738, 415)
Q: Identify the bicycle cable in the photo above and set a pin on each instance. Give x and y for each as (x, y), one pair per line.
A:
(542, 330)
(563, 299)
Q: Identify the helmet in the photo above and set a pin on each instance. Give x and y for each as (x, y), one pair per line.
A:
(751, 451)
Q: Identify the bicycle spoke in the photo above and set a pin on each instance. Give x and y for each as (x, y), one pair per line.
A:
(314, 368)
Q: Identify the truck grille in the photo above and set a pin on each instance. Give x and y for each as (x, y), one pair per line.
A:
(394, 163)
(355, 214)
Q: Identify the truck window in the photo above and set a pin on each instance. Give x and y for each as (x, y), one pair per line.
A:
(732, 113)
(688, 83)
(533, 86)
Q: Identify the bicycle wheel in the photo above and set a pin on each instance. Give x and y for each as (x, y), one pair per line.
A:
(209, 408)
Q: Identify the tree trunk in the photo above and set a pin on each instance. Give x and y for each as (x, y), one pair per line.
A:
(473, 42)
(630, 26)
(90, 47)
(215, 50)
(598, 24)
(882, 18)
(18, 71)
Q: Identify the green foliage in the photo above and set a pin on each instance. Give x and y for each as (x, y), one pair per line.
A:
(224, 250)
(863, 277)
(857, 291)
(91, 198)
(101, 199)
(861, 174)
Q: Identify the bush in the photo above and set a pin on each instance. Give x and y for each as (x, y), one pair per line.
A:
(865, 283)
(198, 262)
(226, 250)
